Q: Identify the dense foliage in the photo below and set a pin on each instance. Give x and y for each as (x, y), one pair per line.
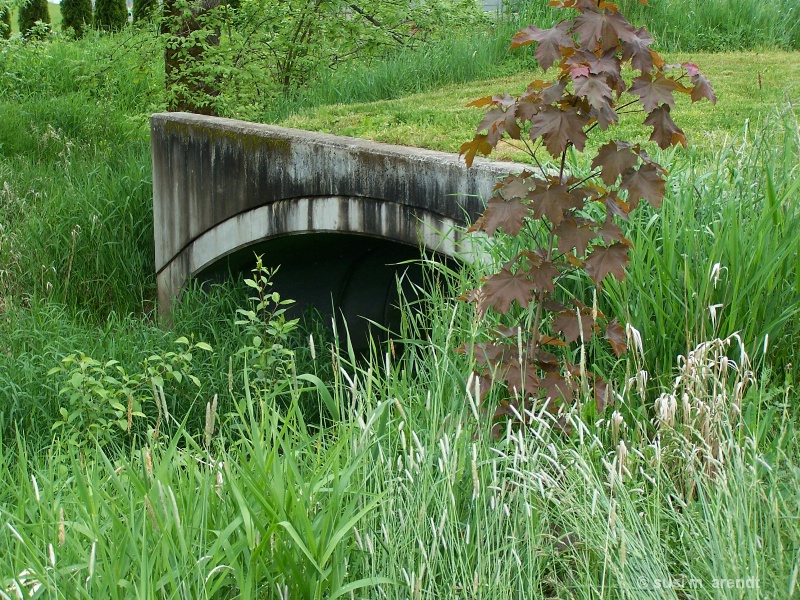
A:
(32, 12)
(76, 15)
(219, 55)
(110, 15)
(5, 22)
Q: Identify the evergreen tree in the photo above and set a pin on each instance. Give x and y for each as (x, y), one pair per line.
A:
(110, 15)
(32, 11)
(143, 9)
(5, 22)
(76, 14)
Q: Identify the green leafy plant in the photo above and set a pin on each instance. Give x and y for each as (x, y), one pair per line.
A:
(102, 398)
(190, 31)
(34, 18)
(567, 222)
(266, 330)
(5, 22)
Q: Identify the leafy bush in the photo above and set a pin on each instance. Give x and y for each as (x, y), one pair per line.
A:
(103, 399)
(220, 57)
(5, 22)
(32, 12)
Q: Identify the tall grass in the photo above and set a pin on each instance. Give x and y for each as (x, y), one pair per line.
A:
(407, 495)
(722, 254)
(717, 25)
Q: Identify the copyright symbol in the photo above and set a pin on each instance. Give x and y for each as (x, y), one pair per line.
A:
(643, 583)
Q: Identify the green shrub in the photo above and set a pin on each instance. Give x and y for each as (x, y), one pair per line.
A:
(76, 15)
(110, 15)
(30, 13)
(5, 23)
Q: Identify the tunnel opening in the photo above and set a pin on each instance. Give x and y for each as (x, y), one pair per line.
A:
(352, 278)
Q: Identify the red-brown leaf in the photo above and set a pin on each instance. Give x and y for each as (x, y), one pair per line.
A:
(500, 213)
(613, 159)
(602, 394)
(478, 145)
(553, 305)
(522, 378)
(615, 334)
(543, 276)
(486, 353)
(665, 132)
(646, 183)
(550, 42)
(595, 89)
(555, 387)
(654, 91)
(604, 260)
(550, 202)
(546, 361)
(611, 232)
(571, 327)
(553, 93)
(498, 121)
(558, 128)
(616, 206)
(604, 115)
(636, 46)
(548, 340)
(502, 288)
(481, 102)
(518, 186)
(601, 28)
(701, 86)
(571, 235)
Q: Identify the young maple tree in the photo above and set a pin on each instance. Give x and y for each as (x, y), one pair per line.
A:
(570, 220)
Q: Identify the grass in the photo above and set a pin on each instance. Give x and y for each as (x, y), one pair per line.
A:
(719, 25)
(406, 496)
(748, 86)
(261, 494)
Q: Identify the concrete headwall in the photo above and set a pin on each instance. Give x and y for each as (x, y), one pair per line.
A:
(220, 185)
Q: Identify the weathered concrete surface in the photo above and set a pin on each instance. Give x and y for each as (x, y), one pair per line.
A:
(221, 185)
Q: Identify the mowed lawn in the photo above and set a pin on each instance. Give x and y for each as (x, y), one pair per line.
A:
(750, 86)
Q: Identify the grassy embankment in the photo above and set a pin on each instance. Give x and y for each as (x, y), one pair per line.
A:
(404, 491)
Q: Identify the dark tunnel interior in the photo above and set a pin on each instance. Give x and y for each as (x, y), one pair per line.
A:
(352, 276)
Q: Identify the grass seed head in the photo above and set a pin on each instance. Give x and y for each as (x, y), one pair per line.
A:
(62, 532)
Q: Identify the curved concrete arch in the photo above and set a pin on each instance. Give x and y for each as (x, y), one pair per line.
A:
(221, 185)
(366, 217)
